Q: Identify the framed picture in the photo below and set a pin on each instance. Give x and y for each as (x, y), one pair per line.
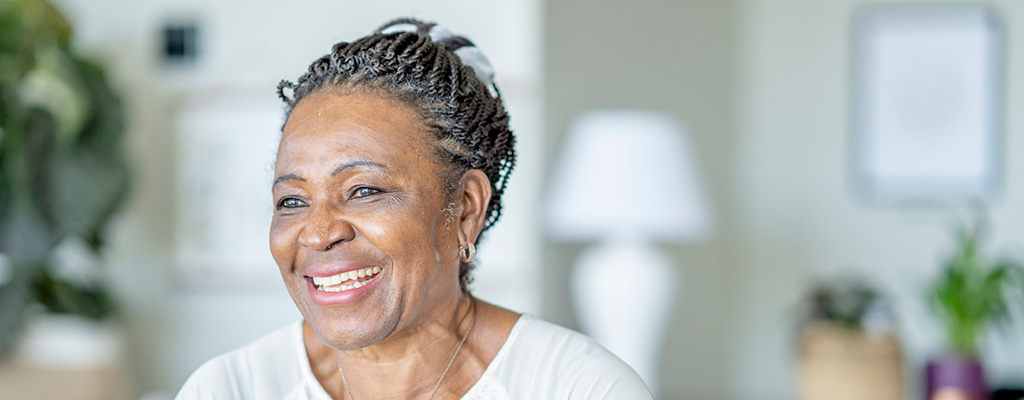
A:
(927, 109)
(226, 141)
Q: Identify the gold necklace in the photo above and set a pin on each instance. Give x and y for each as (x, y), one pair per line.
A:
(472, 323)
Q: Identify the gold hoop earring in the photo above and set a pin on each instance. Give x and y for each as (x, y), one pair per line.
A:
(468, 253)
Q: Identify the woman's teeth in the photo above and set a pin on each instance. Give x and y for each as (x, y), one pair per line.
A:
(355, 279)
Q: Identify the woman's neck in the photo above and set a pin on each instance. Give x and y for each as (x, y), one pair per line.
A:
(406, 365)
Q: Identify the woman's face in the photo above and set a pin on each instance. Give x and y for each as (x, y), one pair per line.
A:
(361, 231)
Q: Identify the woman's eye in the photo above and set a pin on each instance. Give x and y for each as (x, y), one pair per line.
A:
(364, 191)
(290, 202)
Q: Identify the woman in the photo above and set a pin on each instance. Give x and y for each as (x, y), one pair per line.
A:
(392, 162)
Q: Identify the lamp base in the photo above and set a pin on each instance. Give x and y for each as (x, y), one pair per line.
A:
(623, 292)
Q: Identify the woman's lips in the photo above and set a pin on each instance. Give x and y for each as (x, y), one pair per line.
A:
(342, 287)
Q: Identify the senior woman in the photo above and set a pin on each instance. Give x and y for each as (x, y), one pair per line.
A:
(393, 158)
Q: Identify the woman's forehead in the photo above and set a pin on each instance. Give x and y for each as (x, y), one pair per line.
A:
(328, 126)
(324, 111)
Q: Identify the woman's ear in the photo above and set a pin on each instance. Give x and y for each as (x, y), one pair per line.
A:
(472, 198)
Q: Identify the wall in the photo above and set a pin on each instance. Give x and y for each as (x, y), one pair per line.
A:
(798, 217)
(673, 56)
(173, 323)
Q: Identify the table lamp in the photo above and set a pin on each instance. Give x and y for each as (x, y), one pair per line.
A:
(626, 181)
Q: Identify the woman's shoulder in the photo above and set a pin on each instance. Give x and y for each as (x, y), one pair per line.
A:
(266, 368)
(545, 360)
(555, 344)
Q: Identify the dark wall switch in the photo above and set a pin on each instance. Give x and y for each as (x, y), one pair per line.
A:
(180, 42)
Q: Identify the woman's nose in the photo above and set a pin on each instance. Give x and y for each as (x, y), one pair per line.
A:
(324, 230)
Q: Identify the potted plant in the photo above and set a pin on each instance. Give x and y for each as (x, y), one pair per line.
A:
(847, 347)
(969, 295)
(62, 174)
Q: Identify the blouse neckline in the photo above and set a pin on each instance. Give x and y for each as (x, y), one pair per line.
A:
(316, 389)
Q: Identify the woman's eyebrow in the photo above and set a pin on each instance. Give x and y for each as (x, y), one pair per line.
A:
(358, 163)
(338, 170)
(287, 177)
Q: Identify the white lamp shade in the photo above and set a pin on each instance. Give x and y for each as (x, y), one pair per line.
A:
(625, 172)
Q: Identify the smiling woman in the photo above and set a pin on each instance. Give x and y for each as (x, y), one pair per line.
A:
(393, 159)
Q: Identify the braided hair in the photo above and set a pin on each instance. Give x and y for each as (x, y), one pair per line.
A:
(467, 119)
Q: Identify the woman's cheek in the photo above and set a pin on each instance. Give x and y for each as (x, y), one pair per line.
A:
(281, 242)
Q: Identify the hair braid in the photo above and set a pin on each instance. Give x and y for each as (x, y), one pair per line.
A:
(468, 121)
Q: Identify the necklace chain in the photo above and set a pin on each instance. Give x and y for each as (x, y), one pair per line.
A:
(472, 323)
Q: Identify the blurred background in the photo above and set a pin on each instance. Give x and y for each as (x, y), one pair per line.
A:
(800, 250)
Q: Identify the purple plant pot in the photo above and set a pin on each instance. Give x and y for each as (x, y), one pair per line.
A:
(961, 374)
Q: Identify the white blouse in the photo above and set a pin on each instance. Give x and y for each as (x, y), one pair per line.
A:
(539, 360)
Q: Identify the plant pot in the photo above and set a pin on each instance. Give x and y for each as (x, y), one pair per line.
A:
(956, 377)
(62, 357)
(839, 363)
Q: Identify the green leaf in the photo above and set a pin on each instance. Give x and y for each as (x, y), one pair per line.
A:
(55, 85)
(26, 234)
(84, 189)
(971, 292)
(105, 128)
(45, 22)
(61, 296)
(15, 295)
(15, 44)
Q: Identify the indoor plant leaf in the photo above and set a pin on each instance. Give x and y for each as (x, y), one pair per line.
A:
(85, 189)
(26, 235)
(61, 296)
(104, 130)
(55, 85)
(971, 293)
(44, 21)
(15, 295)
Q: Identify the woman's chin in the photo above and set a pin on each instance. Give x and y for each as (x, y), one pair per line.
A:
(351, 332)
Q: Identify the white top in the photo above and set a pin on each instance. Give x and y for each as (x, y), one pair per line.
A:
(538, 361)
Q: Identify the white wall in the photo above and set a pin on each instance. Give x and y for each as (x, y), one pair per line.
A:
(173, 324)
(798, 217)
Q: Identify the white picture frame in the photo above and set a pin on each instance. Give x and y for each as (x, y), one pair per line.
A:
(927, 107)
(226, 144)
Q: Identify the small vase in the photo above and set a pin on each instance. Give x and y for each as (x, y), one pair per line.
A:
(839, 363)
(956, 377)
